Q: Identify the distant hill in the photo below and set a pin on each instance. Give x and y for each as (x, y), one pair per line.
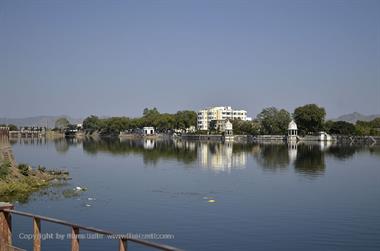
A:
(355, 116)
(39, 121)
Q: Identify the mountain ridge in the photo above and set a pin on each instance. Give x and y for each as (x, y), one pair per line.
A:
(39, 121)
(49, 121)
(355, 116)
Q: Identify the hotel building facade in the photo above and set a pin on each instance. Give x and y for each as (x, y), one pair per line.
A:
(205, 116)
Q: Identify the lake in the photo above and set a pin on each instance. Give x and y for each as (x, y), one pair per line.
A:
(210, 196)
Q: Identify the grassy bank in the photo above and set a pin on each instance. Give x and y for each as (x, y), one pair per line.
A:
(17, 183)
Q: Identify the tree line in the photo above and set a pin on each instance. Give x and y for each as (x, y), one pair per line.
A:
(310, 119)
(163, 122)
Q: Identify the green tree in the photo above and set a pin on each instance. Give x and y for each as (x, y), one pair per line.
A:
(92, 123)
(309, 118)
(185, 119)
(341, 127)
(12, 127)
(274, 121)
(163, 122)
(150, 112)
(241, 127)
(368, 127)
(62, 123)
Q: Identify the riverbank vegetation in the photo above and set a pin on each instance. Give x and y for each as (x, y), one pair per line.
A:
(163, 122)
(17, 183)
(310, 119)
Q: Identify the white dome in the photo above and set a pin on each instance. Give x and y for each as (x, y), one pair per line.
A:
(292, 125)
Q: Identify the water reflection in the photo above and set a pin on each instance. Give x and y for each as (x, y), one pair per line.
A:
(305, 159)
(6, 152)
(29, 141)
(273, 156)
(310, 160)
(221, 157)
(149, 143)
(151, 150)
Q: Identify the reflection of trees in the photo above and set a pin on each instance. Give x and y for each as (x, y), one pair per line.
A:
(342, 152)
(61, 145)
(28, 141)
(375, 150)
(271, 156)
(310, 160)
(163, 149)
(242, 147)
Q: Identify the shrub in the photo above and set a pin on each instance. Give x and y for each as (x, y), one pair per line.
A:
(24, 169)
(5, 169)
(42, 169)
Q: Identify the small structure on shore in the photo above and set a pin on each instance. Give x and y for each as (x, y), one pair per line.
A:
(228, 131)
(148, 130)
(292, 131)
(228, 128)
(225, 127)
(324, 136)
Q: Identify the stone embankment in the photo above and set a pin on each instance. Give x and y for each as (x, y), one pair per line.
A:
(203, 137)
(346, 139)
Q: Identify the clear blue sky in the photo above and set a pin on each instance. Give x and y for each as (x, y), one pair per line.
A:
(117, 57)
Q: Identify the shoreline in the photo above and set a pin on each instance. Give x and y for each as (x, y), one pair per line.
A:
(19, 181)
(340, 139)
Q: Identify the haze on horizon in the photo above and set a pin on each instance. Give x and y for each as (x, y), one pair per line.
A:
(116, 58)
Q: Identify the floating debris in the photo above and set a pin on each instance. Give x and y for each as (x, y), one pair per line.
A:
(80, 188)
(87, 205)
(208, 198)
(211, 201)
(75, 192)
(91, 199)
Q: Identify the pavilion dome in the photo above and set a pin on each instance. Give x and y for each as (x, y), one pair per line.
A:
(292, 125)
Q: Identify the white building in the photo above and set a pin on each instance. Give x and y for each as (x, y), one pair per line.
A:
(292, 131)
(148, 130)
(205, 116)
(224, 126)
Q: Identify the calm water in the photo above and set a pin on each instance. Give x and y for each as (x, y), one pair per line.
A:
(268, 197)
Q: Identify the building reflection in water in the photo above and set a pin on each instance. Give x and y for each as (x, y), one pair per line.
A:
(184, 144)
(310, 160)
(220, 157)
(149, 143)
(29, 141)
(292, 151)
(272, 157)
(307, 159)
